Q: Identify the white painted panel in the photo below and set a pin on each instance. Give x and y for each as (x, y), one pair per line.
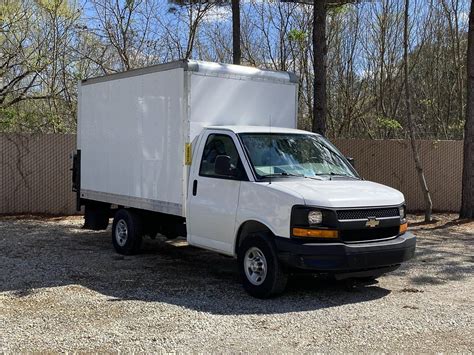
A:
(220, 100)
(131, 136)
(212, 214)
(272, 207)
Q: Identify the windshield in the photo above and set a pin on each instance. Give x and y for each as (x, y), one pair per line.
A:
(280, 154)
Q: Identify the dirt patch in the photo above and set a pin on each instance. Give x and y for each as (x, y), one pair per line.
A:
(63, 288)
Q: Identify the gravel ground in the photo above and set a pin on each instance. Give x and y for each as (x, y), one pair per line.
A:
(64, 289)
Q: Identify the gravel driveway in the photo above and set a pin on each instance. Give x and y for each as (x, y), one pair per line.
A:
(63, 288)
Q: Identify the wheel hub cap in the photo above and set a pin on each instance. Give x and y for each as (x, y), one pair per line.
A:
(255, 265)
(121, 233)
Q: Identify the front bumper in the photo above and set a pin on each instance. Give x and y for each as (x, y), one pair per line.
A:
(347, 260)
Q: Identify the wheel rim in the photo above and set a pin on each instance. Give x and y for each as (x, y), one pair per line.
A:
(121, 232)
(255, 265)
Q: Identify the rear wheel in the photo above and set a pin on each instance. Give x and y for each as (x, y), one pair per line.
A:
(127, 232)
(262, 273)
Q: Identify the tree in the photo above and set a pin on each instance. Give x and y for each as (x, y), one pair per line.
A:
(467, 204)
(236, 52)
(411, 125)
(31, 36)
(47, 45)
(35, 64)
(320, 51)
(235, 4)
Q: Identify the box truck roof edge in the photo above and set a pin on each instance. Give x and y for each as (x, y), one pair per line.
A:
(197, 66)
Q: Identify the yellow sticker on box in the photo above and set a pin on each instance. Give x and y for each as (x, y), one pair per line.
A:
(188, 154)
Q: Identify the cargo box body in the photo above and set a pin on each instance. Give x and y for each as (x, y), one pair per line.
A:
(133, 127)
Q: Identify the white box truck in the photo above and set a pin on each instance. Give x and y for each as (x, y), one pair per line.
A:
(210, 152)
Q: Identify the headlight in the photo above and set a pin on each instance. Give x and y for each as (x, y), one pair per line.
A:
(315, 217)
(403, 212)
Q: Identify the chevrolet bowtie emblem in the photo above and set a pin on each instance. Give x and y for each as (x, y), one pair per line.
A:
(372, 222)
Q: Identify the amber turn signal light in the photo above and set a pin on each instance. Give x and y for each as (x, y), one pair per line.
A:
(315, 233)
(403, 228)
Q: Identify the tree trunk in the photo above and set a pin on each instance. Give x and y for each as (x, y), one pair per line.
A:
(467, 204)
(319, 67)
(236, 52)
(411, 126)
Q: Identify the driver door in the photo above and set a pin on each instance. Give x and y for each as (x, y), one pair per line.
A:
(213, 195)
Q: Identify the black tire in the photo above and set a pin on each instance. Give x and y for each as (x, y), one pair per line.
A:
(130, 243)
(96, 216)
(276, 277)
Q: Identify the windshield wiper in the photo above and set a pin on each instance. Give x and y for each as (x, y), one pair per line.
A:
(315, 177)
(282, 174)
(337, 174)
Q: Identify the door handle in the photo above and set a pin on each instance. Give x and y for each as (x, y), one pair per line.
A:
(195, 187)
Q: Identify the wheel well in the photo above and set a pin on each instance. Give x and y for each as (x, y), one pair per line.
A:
(247, 228)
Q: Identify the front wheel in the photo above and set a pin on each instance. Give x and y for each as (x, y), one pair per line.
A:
(127, 232)
(262, 273)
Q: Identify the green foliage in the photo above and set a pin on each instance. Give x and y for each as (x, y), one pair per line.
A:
(60, 8)
(34, 117)
(7, 117)
(296, 35)
(388, 123)
(339, 9)
(426, 102)
(457, 127)
(15, 119)
(9, 10)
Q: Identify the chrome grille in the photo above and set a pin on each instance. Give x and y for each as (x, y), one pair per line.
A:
(366, 213)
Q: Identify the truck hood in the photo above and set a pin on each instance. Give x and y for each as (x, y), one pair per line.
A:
(340, 193)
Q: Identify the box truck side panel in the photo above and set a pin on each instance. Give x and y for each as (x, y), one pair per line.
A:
(131, 141)
(231, 100)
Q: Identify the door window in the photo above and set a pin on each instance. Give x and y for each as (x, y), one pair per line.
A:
(220, 159)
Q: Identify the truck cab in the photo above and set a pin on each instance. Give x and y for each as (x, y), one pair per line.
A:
(283, 199)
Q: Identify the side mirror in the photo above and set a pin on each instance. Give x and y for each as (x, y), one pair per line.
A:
(222, 166)
(351, 161)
